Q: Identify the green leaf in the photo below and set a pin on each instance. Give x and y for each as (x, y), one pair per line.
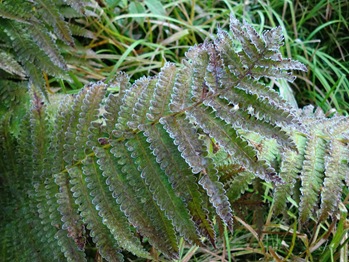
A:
(239, 184)
(218, 198)
(128, 166)
(137, 8)
(142, 106)
(40, 140)
(200, 60)
(155, 7)
(78, 5)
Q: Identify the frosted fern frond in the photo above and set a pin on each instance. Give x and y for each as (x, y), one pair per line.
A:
(10, 65)
(29, 40)
(165, 157)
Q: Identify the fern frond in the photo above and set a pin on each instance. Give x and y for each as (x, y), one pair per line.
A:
(263, 52)
(192, 150)
(158, 102)
(184, 134)
(181, 96)
(339, 131)
(43, 39)
(136, 200)
(311, 175)
(263, 109)
(78, 5)
(45, 230)
(160, 187)
(131, 163)
(199, 59)
(72, 224)
(14, 97)
(24, 152)
(143, 105)
(162, 93)
(128, 187)
(39, 135)
(238, 80)
(268, 150)
(102, 237)
(129, 100)
(36, 80)
(53, 18)
(26, 221)
(7, 232)
(88, 112)
(238, 76)
(15, 11)
(238, 185)
(33, 59)
(338, 128)
(69, 147)
(78, 30)
(228, 139)
(26, 49)
(68, 246)
(217, 195)
(113, 104)
(40, 140)
(336, 168)
(156, 97)
(29, 31)
(10, 65)
(181, 179)
(289, 172)
(111, 213)
(241, 120)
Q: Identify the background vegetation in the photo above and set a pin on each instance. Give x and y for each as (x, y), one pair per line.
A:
(138, 37)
